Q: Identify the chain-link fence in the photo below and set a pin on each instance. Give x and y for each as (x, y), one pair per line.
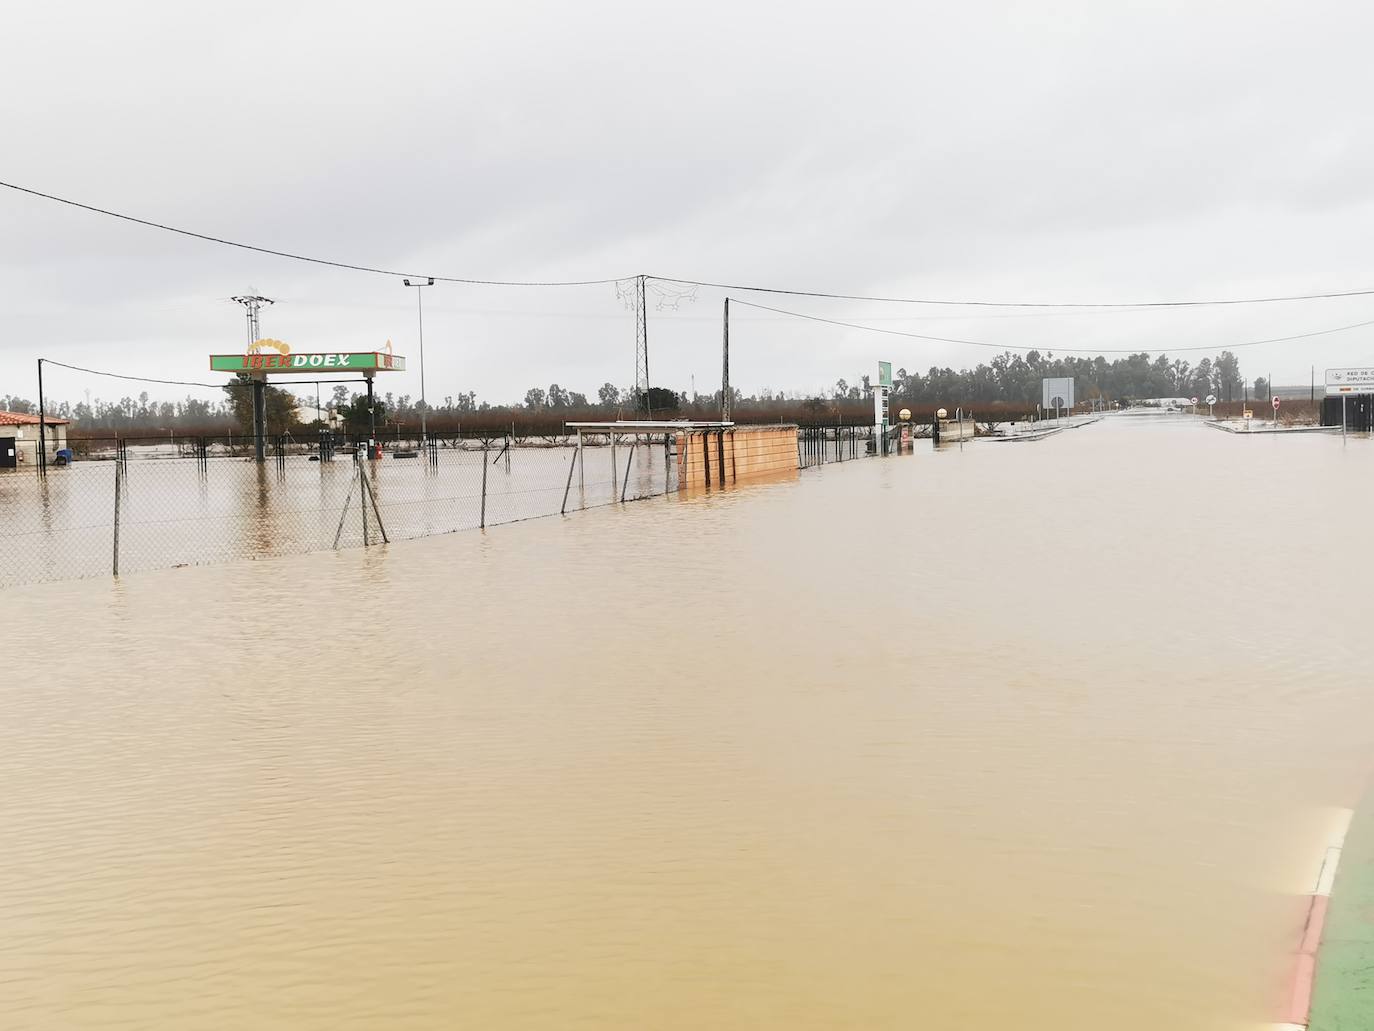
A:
(122, 506)
(824, 444)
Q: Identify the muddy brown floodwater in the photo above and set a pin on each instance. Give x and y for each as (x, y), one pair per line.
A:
(1028, 736)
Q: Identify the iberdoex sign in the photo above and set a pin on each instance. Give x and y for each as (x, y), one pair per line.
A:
(366, 361)
(1349, 381)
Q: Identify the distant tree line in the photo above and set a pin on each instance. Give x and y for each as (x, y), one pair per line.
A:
(1008, 380)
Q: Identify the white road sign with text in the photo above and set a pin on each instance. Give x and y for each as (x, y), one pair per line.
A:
(1349, 381)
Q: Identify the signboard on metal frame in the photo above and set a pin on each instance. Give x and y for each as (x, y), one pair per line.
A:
(1349, 381)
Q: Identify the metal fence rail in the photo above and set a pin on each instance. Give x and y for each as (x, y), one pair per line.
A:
(822, 444)
(125, 505)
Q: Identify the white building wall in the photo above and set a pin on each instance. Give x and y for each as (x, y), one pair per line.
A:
(24, 439)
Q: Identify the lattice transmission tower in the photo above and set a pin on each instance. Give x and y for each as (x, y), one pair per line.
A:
(252, 304)
(633, 293)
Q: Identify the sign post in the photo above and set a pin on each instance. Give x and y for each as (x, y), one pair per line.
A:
(880, 393)
(1344, 382)
(1211, 402)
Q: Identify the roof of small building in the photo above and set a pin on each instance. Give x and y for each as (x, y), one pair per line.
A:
(21, 419)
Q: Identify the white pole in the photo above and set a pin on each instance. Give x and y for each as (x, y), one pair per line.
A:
(420, 310)
(1342, 418)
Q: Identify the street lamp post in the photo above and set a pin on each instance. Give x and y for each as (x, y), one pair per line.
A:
(420, 310)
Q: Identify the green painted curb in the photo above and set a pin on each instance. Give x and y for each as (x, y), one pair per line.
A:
(1343, 996)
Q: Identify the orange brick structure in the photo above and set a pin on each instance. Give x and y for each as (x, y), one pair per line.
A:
(714, 457)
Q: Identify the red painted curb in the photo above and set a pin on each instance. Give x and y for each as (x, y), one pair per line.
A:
(1299, 1008)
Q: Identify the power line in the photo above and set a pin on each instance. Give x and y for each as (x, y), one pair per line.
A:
(1067, 350)
(189, 383)
(137, 379)
(820, 294)
(287, 254)
(1014, 304)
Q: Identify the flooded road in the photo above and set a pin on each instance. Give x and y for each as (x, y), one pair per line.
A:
(1033, 736)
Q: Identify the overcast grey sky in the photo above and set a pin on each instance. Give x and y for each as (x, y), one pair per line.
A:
(1082, 151)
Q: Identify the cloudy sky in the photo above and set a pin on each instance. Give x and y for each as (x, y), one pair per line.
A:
(1072, 152)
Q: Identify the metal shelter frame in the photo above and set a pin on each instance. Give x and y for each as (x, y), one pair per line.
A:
(635, 429)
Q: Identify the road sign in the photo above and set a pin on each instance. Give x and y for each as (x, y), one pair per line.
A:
(1192, 401)
(366, 361)
(1276, 402)
(1349, 381)
(1056, 393)
(1211, 399)
(880, 394)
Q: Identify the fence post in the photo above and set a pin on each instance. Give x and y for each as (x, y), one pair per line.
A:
(362, 499)
(348, 499)
(629, 461)
(483, 523)
(367, 486)
(118, 484)
(571, 466)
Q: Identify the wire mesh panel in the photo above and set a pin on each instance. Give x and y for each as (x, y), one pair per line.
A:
(425, 495)
(122, 509)
(58, 527)
(175, 513)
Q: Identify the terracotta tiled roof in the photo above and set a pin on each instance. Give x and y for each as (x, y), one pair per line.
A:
(19, 419)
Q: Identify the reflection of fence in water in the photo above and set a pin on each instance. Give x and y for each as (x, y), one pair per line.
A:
(190, 503)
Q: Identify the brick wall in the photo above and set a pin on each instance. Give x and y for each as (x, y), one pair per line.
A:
(750, 452)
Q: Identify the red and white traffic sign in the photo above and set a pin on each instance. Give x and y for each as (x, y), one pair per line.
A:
(1276, 402)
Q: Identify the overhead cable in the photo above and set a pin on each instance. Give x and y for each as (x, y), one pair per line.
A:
(1047, 348)
(1329, 295)
(295, 257)
(183, 382)
(781, 291)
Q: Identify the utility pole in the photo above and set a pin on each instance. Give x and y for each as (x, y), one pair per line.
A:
(420, 308)
(42, 423)
(642, 346)
(252, 304)
(725, 366)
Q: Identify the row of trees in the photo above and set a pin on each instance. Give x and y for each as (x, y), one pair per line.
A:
(128, 412)
(1016, 379)
(1008, 378)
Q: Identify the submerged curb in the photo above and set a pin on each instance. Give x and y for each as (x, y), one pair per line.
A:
(1299, 1008)
(1335, 987)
